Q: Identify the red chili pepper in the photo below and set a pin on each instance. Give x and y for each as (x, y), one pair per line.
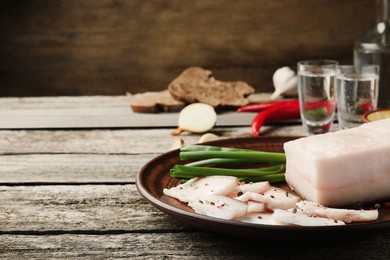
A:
(365, 107)
(273, 114)
(265, 105)
(327, 104)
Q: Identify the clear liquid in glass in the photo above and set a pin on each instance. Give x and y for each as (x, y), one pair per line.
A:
(317, 101)
(356, 96)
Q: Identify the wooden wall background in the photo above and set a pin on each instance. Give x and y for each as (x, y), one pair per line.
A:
(108, 47)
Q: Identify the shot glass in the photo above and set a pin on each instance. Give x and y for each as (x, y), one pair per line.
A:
(317, 97)
(356, 93)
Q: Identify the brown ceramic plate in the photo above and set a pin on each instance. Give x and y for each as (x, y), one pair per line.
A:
(154, 177)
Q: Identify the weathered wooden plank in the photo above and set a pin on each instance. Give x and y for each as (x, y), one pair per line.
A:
(86, 112)
(71, 168)
(102, 118)
(26, 103)
(87, 141)
(121, 141)
(200, 245)
(87, 208)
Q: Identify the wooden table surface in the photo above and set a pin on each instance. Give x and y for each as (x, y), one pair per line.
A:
(70, 192)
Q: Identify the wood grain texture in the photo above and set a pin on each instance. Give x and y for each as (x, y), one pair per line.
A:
(117, 141)
(59, 47)
(120, 117)
(83, 208)
(71, 168)
(92, 112)
(197, 245)
(71, 193)
(88, 141)
(136, 141)
(26, 103)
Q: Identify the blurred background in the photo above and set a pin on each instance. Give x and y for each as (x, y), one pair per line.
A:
(110, 47)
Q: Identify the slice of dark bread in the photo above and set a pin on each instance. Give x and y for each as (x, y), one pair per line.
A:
(196, 84)
(155, 102)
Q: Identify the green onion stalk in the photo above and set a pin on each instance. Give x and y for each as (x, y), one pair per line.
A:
(208, 157)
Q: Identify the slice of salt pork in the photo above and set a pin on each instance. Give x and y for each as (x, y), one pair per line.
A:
(254, 206)
(258, 187)
(265, 218)
(200, 186)
(219, 207)
(346, 215)
(299, 219)
(280, 199)
(341, 168)
(274, 198)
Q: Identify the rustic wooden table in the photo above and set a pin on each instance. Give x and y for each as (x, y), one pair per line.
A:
(67, 187)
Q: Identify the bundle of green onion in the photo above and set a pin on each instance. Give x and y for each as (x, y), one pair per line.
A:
(208, 159)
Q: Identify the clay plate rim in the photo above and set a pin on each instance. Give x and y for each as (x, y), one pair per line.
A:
(366, 115)
(154, 177)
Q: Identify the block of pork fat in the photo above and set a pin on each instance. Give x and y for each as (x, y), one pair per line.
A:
(341, 168)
